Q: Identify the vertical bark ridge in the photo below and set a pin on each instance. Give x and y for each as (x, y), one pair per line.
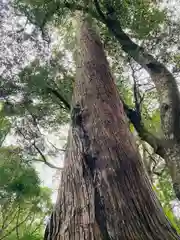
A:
(104, 191)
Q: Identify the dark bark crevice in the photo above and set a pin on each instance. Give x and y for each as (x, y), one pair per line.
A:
(78, 116)
(89, 165)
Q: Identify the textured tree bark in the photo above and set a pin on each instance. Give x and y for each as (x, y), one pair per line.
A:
(169, 97)
(104, 191)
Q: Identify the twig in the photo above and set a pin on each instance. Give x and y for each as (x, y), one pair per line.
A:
(44, 158)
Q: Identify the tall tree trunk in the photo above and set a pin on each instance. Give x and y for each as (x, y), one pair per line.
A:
(104, 192)
(169, 97)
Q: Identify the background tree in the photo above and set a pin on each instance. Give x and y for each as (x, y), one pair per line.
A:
(23, 202)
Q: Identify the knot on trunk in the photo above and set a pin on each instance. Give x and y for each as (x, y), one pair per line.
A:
(165, 107)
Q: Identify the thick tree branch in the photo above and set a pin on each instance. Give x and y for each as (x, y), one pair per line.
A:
(144, 134)
(60, 97)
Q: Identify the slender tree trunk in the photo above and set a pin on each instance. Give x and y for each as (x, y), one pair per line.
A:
(104, 191)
